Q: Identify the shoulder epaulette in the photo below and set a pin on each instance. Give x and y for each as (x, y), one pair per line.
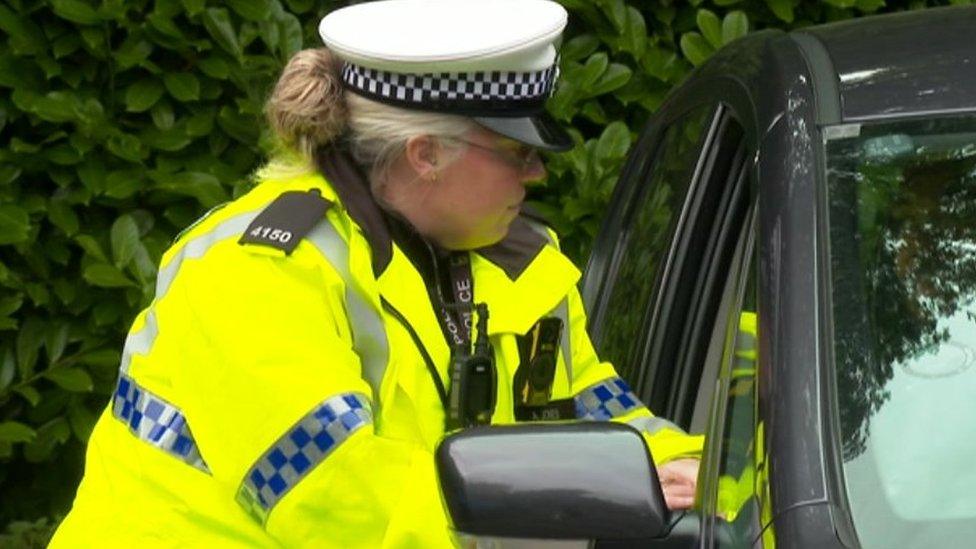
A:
(287, 220)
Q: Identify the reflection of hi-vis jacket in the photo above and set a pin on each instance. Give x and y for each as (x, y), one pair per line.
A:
(274, 398)
(738, 488)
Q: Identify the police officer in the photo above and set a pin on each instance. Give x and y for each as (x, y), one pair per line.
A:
(311, 342)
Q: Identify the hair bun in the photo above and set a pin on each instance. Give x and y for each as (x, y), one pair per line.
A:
(306, 109)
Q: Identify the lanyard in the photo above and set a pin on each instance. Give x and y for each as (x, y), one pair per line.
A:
(456, 316)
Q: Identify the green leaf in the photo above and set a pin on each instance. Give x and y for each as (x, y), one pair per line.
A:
(735, 25)
(783, 9)
(200, 124)
(162, 115)
(869, 6)
(726, 2)
(183, 86)
(106, 276)
(30, 394)
(63, 155)
(214, 67)
(132, 52)
(14, 224)
(55, 340)
(217, 23)
(63, 217)
(170, 140)
(123, 184)
(75, 11)
(125, 146)
(91, 247)
(65, 45)
(710, 26)
(193, 7)
(14, 431)
(71, 379)
(57, 106)
(10, 304)
(29, 340)
(125, 240)
(50, 435)
(82, 421)
(291, 36)
(204, 187)
(616, 76)
(101, 357)
(25, 36)
(635, 37)
(695, 48)
(579, 47)
(592, 70)
(243, 128)
(614, 142)
(252, 10)
(143, 94)
(171, 35)
(8, 370)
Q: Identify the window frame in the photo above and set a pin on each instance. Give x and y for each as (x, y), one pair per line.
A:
(725, 332)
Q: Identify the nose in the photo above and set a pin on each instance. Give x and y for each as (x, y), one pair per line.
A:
(534, 170)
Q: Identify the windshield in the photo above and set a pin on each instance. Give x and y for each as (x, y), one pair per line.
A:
(902, 210)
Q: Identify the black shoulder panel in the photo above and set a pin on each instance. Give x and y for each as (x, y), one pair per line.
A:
(287, 220)
(534, 215)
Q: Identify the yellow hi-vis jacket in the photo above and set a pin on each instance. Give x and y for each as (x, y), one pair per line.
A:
(274, 399)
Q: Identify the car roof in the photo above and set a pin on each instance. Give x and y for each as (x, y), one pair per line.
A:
(903, 63)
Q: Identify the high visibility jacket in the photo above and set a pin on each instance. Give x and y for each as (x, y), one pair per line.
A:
(268, 398)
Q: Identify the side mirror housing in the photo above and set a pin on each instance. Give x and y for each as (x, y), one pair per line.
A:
(572, 481)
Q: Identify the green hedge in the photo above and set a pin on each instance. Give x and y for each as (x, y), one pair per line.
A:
(122, 121)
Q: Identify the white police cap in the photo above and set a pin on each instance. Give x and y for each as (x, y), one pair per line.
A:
(492, 60)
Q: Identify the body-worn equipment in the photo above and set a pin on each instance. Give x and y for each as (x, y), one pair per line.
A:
(287, 390)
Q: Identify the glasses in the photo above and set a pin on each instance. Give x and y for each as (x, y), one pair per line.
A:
(524, 158)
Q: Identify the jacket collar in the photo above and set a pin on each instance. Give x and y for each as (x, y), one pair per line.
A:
(521, 278)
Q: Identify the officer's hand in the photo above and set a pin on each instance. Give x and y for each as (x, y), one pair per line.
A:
(678, 480)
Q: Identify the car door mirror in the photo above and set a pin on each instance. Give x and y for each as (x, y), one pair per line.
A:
(574, 481)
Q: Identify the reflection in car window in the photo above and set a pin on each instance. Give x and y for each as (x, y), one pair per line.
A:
(647, 238)
(902, 212)
(737, 502)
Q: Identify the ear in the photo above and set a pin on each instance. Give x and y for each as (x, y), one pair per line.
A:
(421, 154)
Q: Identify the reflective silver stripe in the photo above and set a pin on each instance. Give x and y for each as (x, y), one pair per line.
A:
(299, 450)
(562, 312)
(140, 342)
(652, 424)
(156, 422)
(606, 400)
(369, 336)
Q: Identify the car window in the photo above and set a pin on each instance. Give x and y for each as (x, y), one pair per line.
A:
(739, 473)
(902, 220)
(647, 237)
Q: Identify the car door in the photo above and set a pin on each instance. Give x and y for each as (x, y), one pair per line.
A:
(666, 287)
(659, 260)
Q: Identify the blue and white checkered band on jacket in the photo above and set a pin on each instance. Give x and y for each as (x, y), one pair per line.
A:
(473, 94)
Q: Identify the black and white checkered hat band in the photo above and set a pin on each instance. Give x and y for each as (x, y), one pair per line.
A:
(476, 93)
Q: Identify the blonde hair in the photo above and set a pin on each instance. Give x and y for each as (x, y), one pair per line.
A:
(309, 109)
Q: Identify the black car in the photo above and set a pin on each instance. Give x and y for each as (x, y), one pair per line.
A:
(814, 192)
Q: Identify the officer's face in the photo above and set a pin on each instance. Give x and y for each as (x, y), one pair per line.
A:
(476, 196)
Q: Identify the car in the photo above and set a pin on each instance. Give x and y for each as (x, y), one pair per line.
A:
(787, 265)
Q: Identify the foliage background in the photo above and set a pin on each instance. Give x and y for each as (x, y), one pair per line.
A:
(122, 121)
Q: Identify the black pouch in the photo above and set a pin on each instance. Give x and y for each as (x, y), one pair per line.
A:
(532, 386)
